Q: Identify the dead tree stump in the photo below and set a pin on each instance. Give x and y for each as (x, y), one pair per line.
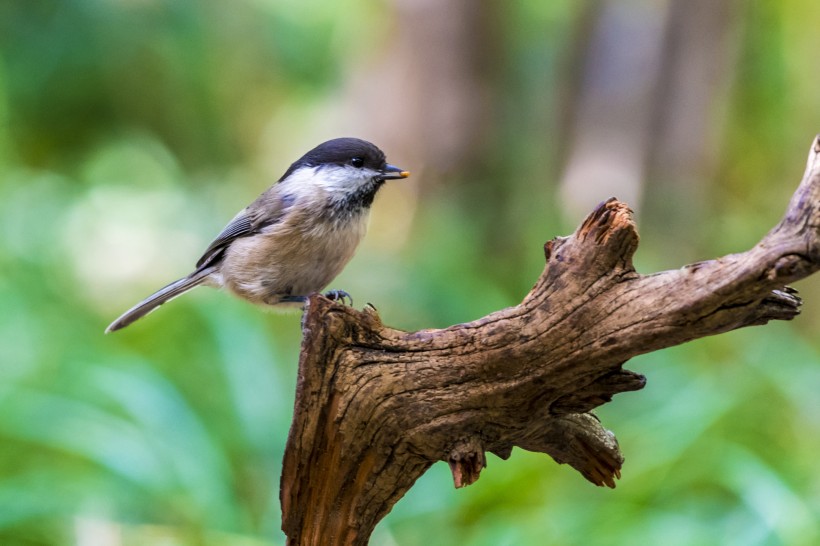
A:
(376, 407)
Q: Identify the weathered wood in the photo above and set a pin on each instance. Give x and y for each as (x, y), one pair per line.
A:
(375, 406)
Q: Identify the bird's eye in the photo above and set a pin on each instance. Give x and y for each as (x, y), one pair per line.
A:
(357, 162)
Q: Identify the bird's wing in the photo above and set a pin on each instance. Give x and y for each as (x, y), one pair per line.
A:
(267, 210)
(242, 225)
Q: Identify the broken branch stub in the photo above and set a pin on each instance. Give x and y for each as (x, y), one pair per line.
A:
(376, 407)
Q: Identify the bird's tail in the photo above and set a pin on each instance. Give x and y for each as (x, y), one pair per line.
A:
(159, 297)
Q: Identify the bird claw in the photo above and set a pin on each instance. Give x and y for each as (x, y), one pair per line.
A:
(340, 296)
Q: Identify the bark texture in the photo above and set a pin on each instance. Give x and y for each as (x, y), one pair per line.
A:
(375, 406)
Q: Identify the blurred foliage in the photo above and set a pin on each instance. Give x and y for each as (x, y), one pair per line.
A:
(131, 130)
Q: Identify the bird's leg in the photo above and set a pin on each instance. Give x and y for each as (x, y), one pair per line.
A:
(292, 299)
(335, 295)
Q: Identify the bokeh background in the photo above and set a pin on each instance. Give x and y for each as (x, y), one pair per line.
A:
(132, 130)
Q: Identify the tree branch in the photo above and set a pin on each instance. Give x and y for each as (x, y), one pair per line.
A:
(376, 407)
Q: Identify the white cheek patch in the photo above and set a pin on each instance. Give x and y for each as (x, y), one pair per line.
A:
(333, 179)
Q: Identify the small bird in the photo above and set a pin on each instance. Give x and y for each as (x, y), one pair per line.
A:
(296, 237)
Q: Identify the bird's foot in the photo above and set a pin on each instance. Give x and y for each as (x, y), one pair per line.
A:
(339, 295)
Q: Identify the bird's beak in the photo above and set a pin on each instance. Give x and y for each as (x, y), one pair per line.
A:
(391, 172)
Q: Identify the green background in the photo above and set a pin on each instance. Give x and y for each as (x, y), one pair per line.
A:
(131, 131)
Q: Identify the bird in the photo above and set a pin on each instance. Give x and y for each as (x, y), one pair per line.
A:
(296, 237)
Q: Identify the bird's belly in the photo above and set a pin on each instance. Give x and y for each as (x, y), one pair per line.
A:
(267, 267)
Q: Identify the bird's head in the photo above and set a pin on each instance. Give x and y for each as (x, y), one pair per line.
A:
(344, 168)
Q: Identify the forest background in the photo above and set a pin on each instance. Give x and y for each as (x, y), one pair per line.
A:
(131, 131)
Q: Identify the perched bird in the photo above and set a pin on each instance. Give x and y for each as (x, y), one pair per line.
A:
(296, 237)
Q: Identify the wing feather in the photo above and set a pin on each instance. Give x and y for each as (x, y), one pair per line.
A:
(242, 225)
(267, 210)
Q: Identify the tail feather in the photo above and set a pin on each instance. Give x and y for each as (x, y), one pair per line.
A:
(158, 298)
